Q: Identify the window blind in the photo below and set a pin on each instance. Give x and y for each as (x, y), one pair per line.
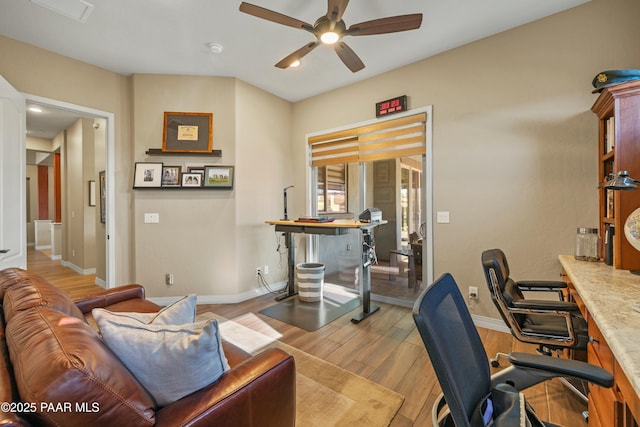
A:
(388, 139)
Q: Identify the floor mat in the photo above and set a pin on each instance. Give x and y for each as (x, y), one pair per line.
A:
(310, 316)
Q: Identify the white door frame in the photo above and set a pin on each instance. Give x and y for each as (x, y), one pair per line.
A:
(109, 172)
(427, 191)
(12, 177)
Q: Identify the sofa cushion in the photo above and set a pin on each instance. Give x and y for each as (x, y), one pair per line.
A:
(35, 292)
(181, 311)
(171, 361)
(57, 358)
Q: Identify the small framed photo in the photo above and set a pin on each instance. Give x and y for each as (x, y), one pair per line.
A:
(191, 180)
(218, 176)
(147, 175)
(196, 169)
(187, 132)
(171, 176)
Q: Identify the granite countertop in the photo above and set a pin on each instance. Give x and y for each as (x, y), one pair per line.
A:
(609, 294)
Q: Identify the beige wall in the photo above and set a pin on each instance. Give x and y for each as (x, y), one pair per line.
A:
(515, 142)
(38, 72)
(514, 150)
(211, 240)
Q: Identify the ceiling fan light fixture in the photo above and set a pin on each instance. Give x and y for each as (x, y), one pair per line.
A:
(294, 64)
(330, 37)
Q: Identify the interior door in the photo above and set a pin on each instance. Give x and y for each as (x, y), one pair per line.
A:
(13, 221)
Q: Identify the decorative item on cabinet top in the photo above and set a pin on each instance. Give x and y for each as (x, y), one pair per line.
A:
(155, 175)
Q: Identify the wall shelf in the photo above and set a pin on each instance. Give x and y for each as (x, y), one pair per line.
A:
(159, 152)
(182, 188)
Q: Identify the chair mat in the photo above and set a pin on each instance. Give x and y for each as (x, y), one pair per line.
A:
(310, 316)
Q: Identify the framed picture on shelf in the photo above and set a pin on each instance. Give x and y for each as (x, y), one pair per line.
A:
(171, 176)
(191, 180)
(218, 176)
(147, 175)
(196, 169)
(187, 132)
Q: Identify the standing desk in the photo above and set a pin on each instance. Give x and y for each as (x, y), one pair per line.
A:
(335, 228)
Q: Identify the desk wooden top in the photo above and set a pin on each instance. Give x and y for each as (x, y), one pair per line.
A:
(338, 223)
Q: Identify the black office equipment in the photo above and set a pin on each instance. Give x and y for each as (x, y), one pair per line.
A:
(371, 215)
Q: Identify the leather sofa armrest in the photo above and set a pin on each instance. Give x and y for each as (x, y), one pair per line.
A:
(259, 391)
(109, 297)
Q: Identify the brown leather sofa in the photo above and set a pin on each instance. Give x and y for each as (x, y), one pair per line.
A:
(56, 371)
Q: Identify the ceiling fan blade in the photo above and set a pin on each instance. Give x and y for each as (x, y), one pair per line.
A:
(392, 24)
(336, 9)
(348, 56)
(272, 16)
(297, 55)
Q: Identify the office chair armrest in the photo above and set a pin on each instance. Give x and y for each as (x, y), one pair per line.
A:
(545, 305)
(541, 285)
(563, 367)
(527, 370)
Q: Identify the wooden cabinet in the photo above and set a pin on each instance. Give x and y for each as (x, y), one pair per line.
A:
(618, 111)
(618, 406)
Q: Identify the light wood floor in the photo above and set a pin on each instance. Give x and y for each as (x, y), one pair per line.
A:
(384, 348)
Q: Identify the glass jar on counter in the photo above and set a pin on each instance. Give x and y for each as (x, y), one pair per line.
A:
(587, 243)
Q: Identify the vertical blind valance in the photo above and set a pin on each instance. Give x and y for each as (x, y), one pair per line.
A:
(402, 137)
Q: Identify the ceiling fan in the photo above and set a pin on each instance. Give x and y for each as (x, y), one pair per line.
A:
(330, 29)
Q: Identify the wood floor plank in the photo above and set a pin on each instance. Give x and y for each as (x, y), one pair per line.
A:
(385, 348)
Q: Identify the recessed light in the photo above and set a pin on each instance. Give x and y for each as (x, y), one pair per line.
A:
(215, 48)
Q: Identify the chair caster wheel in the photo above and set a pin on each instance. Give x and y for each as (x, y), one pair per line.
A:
(494, 363)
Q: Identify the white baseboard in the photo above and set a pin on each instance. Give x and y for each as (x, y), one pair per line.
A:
(219, 299)
(80, 271)
(41, 247)
(490, 323)
(480, 321)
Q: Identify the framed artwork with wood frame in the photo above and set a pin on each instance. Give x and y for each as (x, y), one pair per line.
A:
(187, 132)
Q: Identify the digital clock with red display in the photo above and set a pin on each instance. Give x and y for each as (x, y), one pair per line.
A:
(391, 106)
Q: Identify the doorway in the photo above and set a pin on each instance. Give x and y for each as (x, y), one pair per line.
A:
(80, 182)
(387, 166)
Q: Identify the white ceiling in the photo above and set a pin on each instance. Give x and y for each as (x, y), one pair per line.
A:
(172, 37)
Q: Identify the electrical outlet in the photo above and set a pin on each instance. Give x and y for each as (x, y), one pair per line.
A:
(266, 270)
(258, 271)
(473, 292)
(168, 279)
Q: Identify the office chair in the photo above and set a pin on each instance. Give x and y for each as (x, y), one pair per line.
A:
(552, 325)
(469, 392)
(416, 250)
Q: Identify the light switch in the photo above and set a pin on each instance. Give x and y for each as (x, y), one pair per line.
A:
(442, 217)
(151, 218)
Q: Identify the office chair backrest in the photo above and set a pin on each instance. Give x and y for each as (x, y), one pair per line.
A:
(503, 289)
(454, 347)
(416, 249)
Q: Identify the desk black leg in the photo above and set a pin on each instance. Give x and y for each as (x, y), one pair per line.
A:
(367, 257)
(291, 256)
